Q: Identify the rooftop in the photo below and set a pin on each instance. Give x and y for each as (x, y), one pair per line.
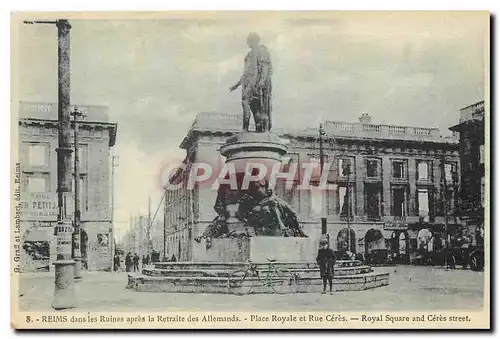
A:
(469, 116)
(231, 123)
(48, 111)
(472, 112)
(36, 113)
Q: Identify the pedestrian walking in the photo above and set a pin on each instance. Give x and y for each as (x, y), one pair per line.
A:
(136, 262)
(147, 259)
(128, 262)
(326, 261)
(116, 262)
(143, 261)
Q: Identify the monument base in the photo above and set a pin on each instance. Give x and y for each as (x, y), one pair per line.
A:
(256, 249)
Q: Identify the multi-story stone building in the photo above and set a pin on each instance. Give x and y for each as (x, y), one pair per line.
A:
(38, 140)
(472, 175)
(391, 185)
(136, 238)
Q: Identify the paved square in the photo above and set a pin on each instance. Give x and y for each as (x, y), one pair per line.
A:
(411, 288)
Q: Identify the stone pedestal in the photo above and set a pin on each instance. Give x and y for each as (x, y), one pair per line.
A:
(257, 249)
(253, 155)
(245, 148)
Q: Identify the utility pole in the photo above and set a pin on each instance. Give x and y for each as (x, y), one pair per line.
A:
(165, 229)
(114, 163)
(131, 232)
(348, 195)
(445, 201)
(141, 235)
(77, 254)
(324, 224)
(64, 294)
(148, 230)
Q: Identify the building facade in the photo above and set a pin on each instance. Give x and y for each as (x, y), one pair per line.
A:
(395, 187)
(471, 131)
(136, 238)
(38, 140)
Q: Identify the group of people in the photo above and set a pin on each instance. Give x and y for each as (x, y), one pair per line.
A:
(131, 262)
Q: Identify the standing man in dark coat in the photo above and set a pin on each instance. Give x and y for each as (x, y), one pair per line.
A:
(128, 262)
(116, 262)
(326, 261)
(136, 263)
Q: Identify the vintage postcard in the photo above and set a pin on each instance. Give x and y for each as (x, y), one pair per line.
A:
(305, 170)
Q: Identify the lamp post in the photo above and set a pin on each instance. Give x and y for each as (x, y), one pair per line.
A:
(445, 201)
(148, 230)
(324, 224)
(347, 172)
(77, 254)
(64, 294)
(114, 164)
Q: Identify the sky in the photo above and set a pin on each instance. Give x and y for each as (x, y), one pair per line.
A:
(157, 72)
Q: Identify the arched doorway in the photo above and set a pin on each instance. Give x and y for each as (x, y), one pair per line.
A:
(344, 238)
(374, 240)
(375, 249)
(402, 244)
(425, 247)
(400, 247)
(425, 240)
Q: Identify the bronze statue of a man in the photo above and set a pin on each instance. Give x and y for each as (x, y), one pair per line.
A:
(256, 85)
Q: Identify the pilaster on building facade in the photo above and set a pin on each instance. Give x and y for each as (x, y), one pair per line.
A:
(401, 183)
(38, 141)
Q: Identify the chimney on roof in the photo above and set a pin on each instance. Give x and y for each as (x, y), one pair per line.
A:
(365, 118)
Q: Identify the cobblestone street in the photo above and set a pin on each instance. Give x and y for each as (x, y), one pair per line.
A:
(411, 288)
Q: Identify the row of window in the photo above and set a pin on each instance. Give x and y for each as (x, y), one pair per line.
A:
(38, 154)
(36, 159)
(399, 168)
(342, 201)
(39, 182)
(424, 169)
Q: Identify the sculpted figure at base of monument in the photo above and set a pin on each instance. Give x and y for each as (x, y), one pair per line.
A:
(257, 211)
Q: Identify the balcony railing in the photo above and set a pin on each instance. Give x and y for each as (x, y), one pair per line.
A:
(474, 111)
(233, 122)
(361, 130)
(49, 111)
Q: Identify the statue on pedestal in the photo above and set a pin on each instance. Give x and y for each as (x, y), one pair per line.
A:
(256, 86)
(259, 211)
(256, 210)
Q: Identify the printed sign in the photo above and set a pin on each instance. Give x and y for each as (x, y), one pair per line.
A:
(39, 206)
(64, 232)
(392, 226)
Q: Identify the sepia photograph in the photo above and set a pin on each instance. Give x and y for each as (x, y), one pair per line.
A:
(250, 169)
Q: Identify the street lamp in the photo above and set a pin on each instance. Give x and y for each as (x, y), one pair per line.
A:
(77, 254)
(114, 164)
(347, 172)
(324, 224)
(64, 294)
